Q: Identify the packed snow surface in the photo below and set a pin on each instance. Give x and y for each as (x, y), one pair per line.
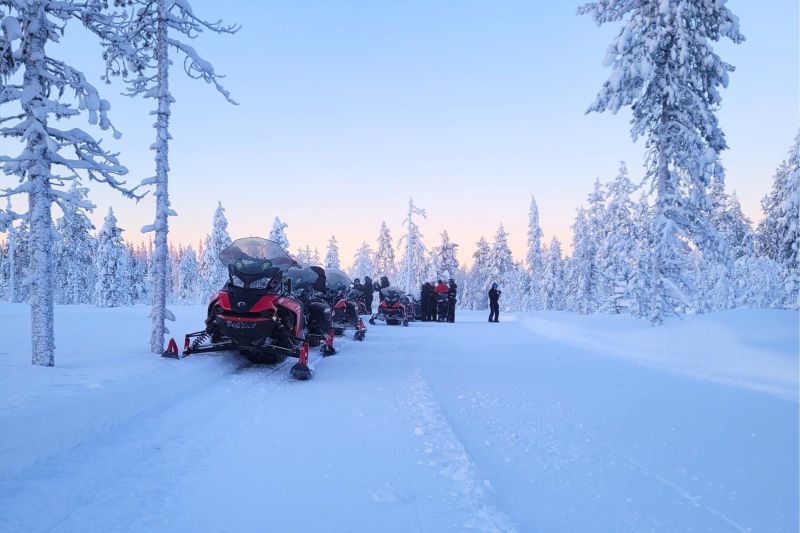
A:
(543, 422)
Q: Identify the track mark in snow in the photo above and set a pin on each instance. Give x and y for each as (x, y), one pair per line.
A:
(446, 452)
(695, 501)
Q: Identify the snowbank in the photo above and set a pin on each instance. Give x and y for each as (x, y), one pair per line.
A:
(103, 377)
(755, 349)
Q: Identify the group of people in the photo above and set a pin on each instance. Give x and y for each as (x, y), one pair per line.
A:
(429, 296)
(369, 287)
(430, 293)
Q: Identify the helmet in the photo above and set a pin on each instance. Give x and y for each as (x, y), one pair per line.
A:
(494, 285)
(356, 281)
(439, 281)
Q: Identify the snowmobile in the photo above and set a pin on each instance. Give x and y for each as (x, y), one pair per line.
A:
(391, 309)
(255, 313)
(308, 286)
(344, 298)
(411, 305)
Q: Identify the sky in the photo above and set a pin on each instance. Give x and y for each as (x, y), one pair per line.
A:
(347, 108)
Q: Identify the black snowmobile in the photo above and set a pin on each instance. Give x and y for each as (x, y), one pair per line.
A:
(345, 301)
(308, 286)
(255, 313)
(391, 309)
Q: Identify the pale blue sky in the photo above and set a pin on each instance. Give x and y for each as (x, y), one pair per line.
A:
(347, 108)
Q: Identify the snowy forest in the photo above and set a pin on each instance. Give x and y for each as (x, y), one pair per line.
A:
(608, 271)
(671, 241)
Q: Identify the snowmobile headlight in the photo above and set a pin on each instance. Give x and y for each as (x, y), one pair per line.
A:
(237, 282)
(260, 283)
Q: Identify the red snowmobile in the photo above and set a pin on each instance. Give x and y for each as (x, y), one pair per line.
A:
(345, 301)
(391, 309)
(255, 312)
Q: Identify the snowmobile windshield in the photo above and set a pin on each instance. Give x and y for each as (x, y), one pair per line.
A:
(303, 279)
(336, 280)
(254, 263)
(392, 293)
(355, 294)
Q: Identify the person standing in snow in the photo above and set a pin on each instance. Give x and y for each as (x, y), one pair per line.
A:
(440, 294)
(452, 292)
(494, 304)
(369, 289)
(425, 300)
(384, 283)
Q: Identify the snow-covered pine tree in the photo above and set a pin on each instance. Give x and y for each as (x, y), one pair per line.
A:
(473, 294)
(413, 269)
(578, 275)
(303, 255)
(74, 268)
(501, 268)
(616, 244)
(189, 282)
(734, 228)
(332, 254)
(109, 290)
(664, 67)
(639, 285)
(278, 233)
(534, 298)
(314, 258)
(139, 52)
(43, 90)
(384, 257)
(779, 232)
(444, 258)
(9, 263)
(554, 276)
(362, 262)
(213, 273)
(4, 268)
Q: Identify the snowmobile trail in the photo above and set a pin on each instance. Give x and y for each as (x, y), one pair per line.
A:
(431, 427)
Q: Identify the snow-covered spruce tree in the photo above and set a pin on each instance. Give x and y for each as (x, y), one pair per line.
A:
(734, 228)
(534, 298)
(384, 257)
(664, 67)
(9, 268)
(779, 232)
(639, 285)
(554, 276)
(759, 283)
(109, 290)
(580, 267)
(189, 281)
(139, 53)
(213, 273)
(4, 268)
(616, 244)
(278, 233)
(413, 268)
(362, 262)
(501, 268)
(303, 255)
(444, 258)
(332, 254)
(39, 90)
(473, 294)
(74, 266)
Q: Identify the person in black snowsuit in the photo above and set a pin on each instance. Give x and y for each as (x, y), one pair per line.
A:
(425, 300)
(452, 292)
(369, 290)
(494, 304)
(384, 283)
(357, 285)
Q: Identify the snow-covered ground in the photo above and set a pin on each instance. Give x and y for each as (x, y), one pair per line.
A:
(544, 422)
